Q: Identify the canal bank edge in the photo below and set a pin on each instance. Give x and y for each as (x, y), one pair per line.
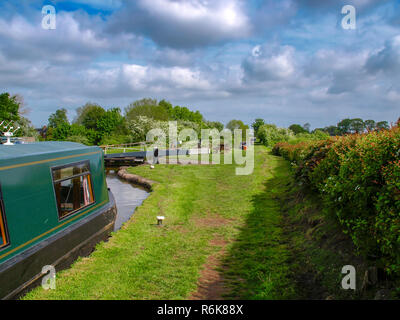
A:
(135, 179)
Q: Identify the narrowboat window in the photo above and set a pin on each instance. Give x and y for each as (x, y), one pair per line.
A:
(73, 188)
(3, 231)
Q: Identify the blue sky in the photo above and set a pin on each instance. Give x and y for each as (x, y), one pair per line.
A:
(287, 61)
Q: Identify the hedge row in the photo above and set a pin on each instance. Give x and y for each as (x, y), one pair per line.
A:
(358, 177)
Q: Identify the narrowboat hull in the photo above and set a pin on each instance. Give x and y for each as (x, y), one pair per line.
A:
(24, 271)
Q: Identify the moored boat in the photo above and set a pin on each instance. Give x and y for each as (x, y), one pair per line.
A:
(54, 207)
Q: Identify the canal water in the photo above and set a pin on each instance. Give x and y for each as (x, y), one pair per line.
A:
(127, 197)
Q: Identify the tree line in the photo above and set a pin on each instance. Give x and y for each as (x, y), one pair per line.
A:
(270, 134)
(345, 126)
(96, 125)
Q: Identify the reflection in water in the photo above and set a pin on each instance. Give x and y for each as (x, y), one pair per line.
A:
(127, 196)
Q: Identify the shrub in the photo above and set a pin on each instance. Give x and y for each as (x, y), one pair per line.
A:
(78, 139)
(358, 178)
(305, 137)
(116, 139)
(269, 134)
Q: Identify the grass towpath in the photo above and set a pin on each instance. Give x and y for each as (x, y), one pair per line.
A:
(222, 239)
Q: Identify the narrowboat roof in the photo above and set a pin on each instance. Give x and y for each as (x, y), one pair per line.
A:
(39, 148)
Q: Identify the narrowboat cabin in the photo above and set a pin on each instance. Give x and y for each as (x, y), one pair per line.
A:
(54, 207)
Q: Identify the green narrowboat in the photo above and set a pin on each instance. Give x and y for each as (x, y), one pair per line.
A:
(54, 207)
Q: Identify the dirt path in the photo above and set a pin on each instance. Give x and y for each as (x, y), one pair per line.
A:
(211, 284)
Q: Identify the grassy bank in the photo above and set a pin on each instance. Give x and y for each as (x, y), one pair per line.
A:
(260, 236)
(215, 221)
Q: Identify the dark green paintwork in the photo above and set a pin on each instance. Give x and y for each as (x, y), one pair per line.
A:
(28, 193)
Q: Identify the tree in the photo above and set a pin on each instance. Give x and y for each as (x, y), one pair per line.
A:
(257, 124)
(357, 125)
(370, 125)
(296, 128)
(269, 134)
(235, 124)
(61, 132)
(77, 130)
(307, 127)
(26, 129)
(166, 105)
(146, 108)
(145, 102)
(344, 126)
(79, 139)
(238, 124)
(58, 118)
(141, 125)
(215, 124)
(9, 107)
(110, 121)
(185, 114)
(82, 113)
(92, 116)
(382, 125)
(100, 123)
(59, 127)
(332, 130)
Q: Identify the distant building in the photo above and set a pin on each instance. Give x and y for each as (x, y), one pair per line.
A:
(42, 131)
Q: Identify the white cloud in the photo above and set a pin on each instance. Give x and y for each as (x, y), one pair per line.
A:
(184, 24)
(387, 59)
(163, 79)
(199, 53)
(24, 40)
(226, 14)
(266, 66)
(393, 96)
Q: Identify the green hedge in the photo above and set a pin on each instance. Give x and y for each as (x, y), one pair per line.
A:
(358, 177)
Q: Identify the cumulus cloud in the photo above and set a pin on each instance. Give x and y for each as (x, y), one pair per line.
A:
(148, 78)
(69, 43)
(183, 24)
(173, 57)
(386, 59)
(264, 65)
(279, 60)
(341, 71)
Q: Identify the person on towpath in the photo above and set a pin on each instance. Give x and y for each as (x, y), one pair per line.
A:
(155, 160)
